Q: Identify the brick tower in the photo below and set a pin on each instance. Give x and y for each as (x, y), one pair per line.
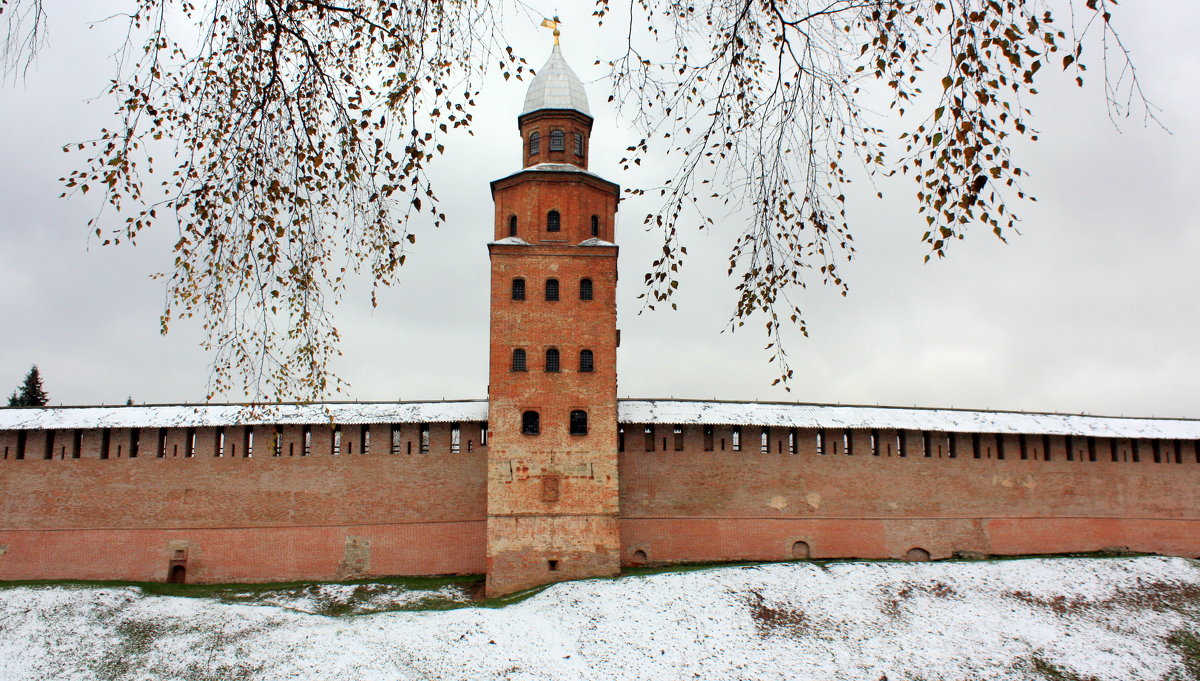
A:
(552, 456)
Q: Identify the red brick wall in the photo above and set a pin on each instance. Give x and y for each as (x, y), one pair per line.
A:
(243, 519)
(718, 506)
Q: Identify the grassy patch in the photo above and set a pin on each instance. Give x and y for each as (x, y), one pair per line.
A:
(1052, 672)
(1187, 645)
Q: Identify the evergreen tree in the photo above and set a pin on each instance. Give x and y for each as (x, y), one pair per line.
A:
(31, 393)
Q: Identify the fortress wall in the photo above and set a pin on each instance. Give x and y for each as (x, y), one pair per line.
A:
(699, 506)
(239, 518)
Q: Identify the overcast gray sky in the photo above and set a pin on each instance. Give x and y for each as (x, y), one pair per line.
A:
(1094, 308)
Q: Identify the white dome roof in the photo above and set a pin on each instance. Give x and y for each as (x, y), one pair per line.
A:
(555, 87)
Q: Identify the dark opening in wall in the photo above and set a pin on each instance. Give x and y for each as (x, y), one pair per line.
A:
(821, 441)
(649, 437)
(1135, 450)
(178, 574)
(512, 225)
(1178, 451)
(22, 437)
(277, 445)
(708, 437)
(975, 449)
(1069, 443)
(424, 438)
(335, 440)
(553, 221)
(219, 442)
(917, 555)
(455, 438)
(926, 445)
(585, 289)
(874, 442)
(639, 557)
(483, 427)
(736, 438)
(558, 140)
(49, 442)
(530, 423)
(847, 442)
(578, 422)
(535, 143)
(77, 442)
(620, 438)
(595, 225)
(952, 444)
(1046, 448)
(902, 443)
(518, 360)
(1000, 446)
(106, 440)
(552, 363)
(307, 442)
(1156, 450)
(1024, 446)
(764, 441)
(722, 444)
(793, 440)
(551, 289)
(578, 144)
(1113, 451)
(801, 550)
(677, 432)
(518, 289)
(587, 362)
(552, 565)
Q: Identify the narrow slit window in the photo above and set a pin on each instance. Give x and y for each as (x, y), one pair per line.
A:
(518, 360)
(49, 442)
(848, 442)
(649, 433)
(708, 438)
(579, 422)
(424, 438)
(553, 221)
(518, 289)
(1046, 447)
(277, 449)
(307, 441)
(335, 445)
(248, 442)
(455, 438)
(926, 448)
(975, 448)
(1000, 446)
(620, 438)
(1070, 447)
(558, 140)
(77, 442)
(578, 143)
(874, 442)
(764, 441)
(737, 438)
(535, 143)
(596, 225)
(587, 361)
(821, 441)
(219, 442)
(792, 440)
(483, 434)
(902, 443)
(364, 439)
(512, 225)
(585, 289)
(952, 444)
(551, 289)
(530, 423)
(1024, 446)
(677, 432)
(552, 364)
(189, 444)
(23, 436)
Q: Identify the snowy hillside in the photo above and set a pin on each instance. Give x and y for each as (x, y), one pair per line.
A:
(1123, 619)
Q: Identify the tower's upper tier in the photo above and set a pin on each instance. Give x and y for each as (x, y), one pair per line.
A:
(556, 87)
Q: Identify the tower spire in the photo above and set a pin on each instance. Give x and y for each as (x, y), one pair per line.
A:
(553, 23)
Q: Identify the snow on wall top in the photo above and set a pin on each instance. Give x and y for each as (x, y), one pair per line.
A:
(203, 415)
(944, 420)
(667, 412)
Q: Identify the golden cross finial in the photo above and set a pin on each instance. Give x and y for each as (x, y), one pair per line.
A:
(552, 23)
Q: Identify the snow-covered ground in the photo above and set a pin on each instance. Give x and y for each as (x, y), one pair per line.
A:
(1123, 619)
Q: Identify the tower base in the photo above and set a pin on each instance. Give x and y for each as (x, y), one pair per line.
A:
(528, 551)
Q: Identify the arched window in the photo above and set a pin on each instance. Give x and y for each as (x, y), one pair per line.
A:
(586, 361)
(553, 221)
(579, 422)
(518, 289)
(551, 289)
(552, 360)
(518, 363)
(535, 143)
(530, 423)
(558, 140)
(585, 289)
(579, 144)
(595, 224)
(512, 225)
